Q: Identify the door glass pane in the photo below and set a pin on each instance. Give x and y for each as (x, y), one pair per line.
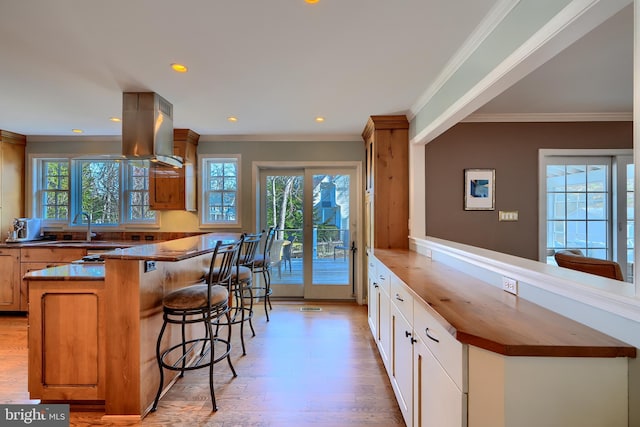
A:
(284, 211)
(630, 222)
(331, 238)
(578, 207)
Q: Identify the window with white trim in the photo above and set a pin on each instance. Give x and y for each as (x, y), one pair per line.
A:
(586, 203)
(114, 191)
(220, 201)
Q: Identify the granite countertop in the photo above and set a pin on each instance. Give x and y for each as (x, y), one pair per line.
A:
(93, 244)
(172, 250)
(485, 316)
(69, 272)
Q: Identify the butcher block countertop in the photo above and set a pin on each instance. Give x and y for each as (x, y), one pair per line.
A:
(485, 316)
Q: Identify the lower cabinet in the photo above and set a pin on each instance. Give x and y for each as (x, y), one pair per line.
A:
(379, 310)
(67, 341)
(438, 400)
(10, 298)
(440, 382)
(402, 359)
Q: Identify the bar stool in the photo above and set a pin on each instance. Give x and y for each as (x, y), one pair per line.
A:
(200, 303)
(262, 264)
(241, 282)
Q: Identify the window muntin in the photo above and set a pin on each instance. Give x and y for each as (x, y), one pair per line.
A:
(220, 195)
(55, 189)
(137, 193)
(114, 191)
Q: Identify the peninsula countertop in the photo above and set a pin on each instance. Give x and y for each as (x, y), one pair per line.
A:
(173, 250)
(480, 314)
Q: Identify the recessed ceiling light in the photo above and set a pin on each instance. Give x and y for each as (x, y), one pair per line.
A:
(179, 68)
(312, 1)
(77, 130)
(232, 119)
(319, 119)
(115, 119)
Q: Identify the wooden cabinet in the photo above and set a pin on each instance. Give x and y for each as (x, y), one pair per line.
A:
(175, 188)
(32, 259)
(10, 298)
(387, 182)
(12, 161)
(67, 340)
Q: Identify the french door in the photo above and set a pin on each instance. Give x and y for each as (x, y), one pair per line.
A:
(313, 211)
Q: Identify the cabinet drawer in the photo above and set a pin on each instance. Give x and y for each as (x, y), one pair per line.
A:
(450, 352)
(401, 298)
(382, 277)
(52, 254)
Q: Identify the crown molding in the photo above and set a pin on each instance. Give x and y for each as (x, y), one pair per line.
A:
(550, 117)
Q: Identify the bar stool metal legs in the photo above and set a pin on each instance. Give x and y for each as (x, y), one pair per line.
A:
(201, 303)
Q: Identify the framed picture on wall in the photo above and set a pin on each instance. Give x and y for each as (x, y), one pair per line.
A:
(479, 189)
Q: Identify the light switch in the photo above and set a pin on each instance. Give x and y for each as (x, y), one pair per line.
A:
(508, 215)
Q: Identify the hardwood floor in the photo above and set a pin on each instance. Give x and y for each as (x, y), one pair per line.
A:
(303, 368)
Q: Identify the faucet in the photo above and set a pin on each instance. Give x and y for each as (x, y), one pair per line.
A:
(87, 216)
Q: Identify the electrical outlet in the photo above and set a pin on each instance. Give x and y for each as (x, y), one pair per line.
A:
(149, 266)
(510, 285)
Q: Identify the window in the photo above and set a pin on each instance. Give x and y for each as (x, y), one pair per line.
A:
(114, 191)
(220, 184)
(587, 204)
(54, 187)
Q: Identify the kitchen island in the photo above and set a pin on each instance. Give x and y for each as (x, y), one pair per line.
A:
(93, 328)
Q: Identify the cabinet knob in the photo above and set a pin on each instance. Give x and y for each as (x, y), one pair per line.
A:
(398, 297)
(407, 334)
(413, 340)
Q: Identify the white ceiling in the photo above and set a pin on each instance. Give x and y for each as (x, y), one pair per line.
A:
(275, 64)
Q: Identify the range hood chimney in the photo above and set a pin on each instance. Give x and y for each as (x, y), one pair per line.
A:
(147, 128)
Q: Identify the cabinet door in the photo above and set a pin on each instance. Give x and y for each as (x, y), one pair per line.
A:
(12, 184)
(10, 280)
(55, 372)
(373, 299)
(384, 327)
(438, 402)
(401, 362)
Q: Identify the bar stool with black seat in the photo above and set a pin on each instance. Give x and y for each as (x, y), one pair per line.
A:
(262, 264)
(241, 282)
(204, 302)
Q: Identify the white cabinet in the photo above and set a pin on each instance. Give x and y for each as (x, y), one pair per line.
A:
(379, 308)
(401, 361)
(373, 300)
(439, 362)
(439, 381)
(428, 378)
(438, 400)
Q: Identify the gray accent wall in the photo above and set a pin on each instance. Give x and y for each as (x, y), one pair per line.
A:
(512, 150)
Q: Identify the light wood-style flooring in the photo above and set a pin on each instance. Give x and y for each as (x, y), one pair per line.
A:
(303, 368)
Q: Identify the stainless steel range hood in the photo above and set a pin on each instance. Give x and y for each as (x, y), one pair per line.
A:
(147, 128)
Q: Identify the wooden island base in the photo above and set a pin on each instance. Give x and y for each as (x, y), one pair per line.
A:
(93, 328)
